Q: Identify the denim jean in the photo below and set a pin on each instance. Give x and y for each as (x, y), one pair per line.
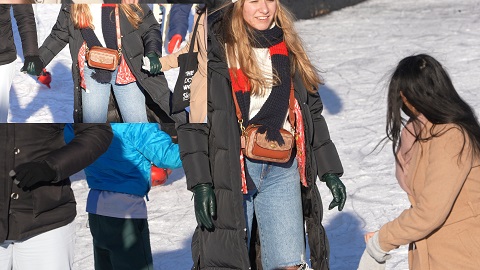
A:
(277, 205)
(130, 99)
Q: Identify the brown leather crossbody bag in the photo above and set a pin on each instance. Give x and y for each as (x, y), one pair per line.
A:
(105, 58)
(256, 146)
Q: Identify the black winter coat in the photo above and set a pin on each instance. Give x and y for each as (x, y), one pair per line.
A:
(135, 44)
(26, 28)
(216, 145)
(25, 213)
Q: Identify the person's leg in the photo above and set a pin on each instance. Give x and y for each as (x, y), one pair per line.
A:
(6, 255)
(8, 72)
(254, 172)
(126, 240)
(249, 212)
(278, 209)
(131, 102)
(101, 256)
(95, 99)
(52, 250)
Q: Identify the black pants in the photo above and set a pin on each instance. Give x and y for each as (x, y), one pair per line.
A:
(120, 244)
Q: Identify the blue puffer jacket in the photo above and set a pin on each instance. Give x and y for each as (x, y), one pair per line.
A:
(125, 166)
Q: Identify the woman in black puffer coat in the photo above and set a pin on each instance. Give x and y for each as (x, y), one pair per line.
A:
(37, 205)
(221, 239)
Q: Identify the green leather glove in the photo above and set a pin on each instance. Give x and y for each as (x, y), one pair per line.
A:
(338, 190)
(32, 65)
(205, 207)
(155, 65)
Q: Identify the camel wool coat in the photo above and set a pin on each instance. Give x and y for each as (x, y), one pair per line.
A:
(443, 224)
(198, 88)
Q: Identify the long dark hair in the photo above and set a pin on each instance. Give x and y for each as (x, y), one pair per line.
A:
(427, 86)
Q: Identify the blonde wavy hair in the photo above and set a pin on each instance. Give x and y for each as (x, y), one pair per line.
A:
(238, 47)
(82, 17)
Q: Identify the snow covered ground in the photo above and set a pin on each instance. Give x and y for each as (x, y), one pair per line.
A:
(356, 48)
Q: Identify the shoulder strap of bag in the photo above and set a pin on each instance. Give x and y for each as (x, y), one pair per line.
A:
(117, 26)
(291, 107)
(238, 112)
(194, 35)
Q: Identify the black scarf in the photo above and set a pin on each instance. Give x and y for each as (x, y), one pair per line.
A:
(271, 116)
(109, 31)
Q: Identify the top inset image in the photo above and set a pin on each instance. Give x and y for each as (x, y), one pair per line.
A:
(101, 2)
(97, 63)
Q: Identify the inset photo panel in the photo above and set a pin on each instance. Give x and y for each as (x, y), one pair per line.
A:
(97, 63)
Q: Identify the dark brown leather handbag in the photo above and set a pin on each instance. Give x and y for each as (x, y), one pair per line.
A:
(256, 146)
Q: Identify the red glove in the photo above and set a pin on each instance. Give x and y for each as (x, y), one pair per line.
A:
(159, 175)
(174, 43)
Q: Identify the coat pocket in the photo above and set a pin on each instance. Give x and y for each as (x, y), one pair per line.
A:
(470, 239)
(46, 198)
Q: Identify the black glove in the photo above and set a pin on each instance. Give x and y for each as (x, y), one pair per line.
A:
(205, 207)
(33, 65)
(155, 65)
(338, 190)
(31, 173)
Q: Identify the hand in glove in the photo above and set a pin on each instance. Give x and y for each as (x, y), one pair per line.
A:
(205, 207)
(30, 173)
(32, 65)
(174, 43)
(338, 190)
(155, 65)
(367, 262)
(373, 248)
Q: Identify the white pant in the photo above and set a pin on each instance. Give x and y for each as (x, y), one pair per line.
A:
(52, 250)
(7, 72)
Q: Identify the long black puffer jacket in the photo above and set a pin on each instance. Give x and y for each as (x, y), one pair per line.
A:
(26, 28)
(210, 154)
(25, 213)
(135, 44)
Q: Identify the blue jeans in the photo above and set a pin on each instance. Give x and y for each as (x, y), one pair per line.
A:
(130, 99)
(276, 203)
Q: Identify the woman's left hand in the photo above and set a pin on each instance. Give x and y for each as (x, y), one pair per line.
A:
(373, 247)
(338, 190)
(155, 65)
(368, 235)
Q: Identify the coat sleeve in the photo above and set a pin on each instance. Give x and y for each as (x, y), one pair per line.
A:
(90, 141)
(326, 154)
(151, 35)
(445, 175)
(170, 61)
(178, 22)
(26, 28)
(58, 38)
(156, 145)
(193, 142)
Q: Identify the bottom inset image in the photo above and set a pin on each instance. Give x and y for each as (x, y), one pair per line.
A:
(91, 196)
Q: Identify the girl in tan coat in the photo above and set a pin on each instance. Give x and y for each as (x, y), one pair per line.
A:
(198, 88)
(438, 165)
